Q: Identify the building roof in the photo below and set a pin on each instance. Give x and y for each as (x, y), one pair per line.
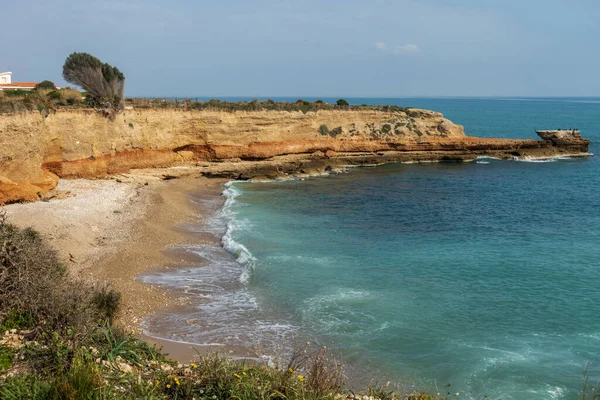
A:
(19, 85)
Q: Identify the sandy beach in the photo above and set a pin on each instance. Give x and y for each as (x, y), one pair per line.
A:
(111, 231)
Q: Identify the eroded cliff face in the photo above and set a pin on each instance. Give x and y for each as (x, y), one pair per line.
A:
(36, 150)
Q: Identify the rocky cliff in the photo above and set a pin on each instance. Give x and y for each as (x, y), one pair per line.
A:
(37, 150)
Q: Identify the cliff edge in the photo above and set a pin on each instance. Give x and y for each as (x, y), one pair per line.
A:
(36, 150)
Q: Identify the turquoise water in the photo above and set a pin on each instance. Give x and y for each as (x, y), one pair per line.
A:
(481, 275)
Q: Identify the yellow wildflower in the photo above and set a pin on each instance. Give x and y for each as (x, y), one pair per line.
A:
(156, 382)
(291, 370)
(237, 376)
(133, 331)
(176, 380)
(244, 373)
(193, 365)
(168, 386)
(301, 378)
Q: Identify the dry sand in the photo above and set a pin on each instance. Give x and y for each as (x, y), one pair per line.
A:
(114, 230)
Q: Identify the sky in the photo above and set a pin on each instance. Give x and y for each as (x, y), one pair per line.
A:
(328, 48)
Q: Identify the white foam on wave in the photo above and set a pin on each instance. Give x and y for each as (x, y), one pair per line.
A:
(556, 392)
(241, 252)
(593, 336)
(531, 159)
(301, 259)
(535, 160)
(335, 311)
(222, 311)
(487, 158)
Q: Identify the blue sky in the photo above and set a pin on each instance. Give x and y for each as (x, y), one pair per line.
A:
(375, 48)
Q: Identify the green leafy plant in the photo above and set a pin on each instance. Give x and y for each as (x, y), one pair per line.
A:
(25, 388)
(45, 85)
(324, 130)
(114, 342)
(6, 357)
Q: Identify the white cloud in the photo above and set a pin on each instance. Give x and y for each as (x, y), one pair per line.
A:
(407, 49)
(400, 50)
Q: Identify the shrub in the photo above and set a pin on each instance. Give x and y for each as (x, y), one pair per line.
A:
(324, 130)
(16, 319)
(335, 131)
(342, 102)
(386, 128)
(107, 301)
(81, 381)
(16, 93)
(36, 288)
(72, 96)
(45, 85)
(413, 113)
(54, 95)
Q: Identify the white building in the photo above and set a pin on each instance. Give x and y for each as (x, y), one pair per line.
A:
(7, 83)
(5, 77)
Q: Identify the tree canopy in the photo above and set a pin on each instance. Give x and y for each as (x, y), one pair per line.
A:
(45, 85)
(104, 83)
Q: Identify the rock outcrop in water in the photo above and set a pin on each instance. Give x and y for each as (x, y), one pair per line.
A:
(561, 137)
(37, 150)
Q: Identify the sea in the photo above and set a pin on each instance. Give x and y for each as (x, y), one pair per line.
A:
(480, 278)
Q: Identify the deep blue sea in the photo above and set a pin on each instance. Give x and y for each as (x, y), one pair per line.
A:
(482, 275)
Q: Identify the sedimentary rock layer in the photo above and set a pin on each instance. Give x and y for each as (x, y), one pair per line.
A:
(35, 151)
